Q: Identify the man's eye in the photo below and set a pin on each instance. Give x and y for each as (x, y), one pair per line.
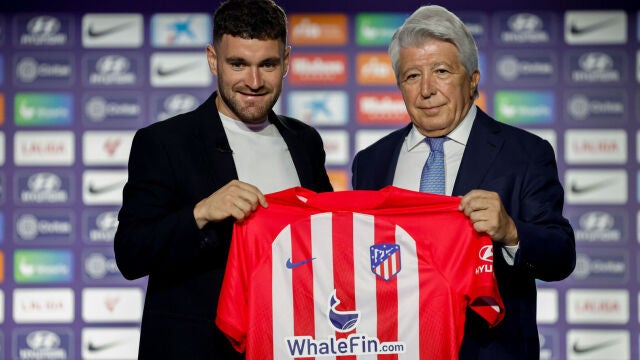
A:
(411, 77)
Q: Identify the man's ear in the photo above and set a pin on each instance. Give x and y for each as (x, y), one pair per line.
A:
(212, 59)
(475, 80)
(287, 52)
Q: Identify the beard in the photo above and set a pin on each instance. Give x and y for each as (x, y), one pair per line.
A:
(250, 112)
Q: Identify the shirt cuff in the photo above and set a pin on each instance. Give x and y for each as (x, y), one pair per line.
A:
(509, 253)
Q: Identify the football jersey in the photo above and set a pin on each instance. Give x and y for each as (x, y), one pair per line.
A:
(361, 274)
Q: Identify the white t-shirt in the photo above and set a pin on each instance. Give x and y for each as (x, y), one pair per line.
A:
(261, 156)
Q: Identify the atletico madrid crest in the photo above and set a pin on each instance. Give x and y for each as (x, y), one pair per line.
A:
(385, 260)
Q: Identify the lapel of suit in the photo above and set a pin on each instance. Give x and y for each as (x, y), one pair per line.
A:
(296, 150)
(391, 158)
(219, 157)
(482, 148)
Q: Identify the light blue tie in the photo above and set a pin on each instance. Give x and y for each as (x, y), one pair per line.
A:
(432, 179)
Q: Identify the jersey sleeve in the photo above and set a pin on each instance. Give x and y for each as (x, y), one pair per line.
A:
(467, 262)
(232, 312)
(484, 296)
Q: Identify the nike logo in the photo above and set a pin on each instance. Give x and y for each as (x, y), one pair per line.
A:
(174, 70)
(580, 189)
(294, 265)
(107, 31)
(581, 30)
(95, 189)
(93, 347)
(589, 348)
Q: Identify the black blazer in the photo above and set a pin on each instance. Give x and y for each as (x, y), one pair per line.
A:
(172, 166)
(521, 168)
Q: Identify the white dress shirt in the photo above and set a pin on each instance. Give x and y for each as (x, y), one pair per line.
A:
(414, 153)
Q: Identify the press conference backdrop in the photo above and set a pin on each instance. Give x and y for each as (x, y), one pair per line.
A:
(76, 81)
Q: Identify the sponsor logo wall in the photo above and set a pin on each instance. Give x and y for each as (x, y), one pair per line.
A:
(75, 86)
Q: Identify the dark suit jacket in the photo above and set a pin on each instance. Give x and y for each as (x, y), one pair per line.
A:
(521, 168)
(172, 166)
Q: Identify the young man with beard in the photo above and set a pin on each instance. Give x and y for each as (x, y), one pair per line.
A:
(192, 176)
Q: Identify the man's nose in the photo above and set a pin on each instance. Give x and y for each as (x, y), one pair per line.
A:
(427, 86)
(254, 79)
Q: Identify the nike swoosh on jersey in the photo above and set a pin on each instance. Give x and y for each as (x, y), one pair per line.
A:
(589, 348)
(294, 265)
(174, 70)
(107, 31)
(95, 189)
(581, 30)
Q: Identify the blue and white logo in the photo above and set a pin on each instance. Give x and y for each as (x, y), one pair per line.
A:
(180, 30)
(43, 343)
(319, 107)
(44, 187)
(342, 321)
(385, 260)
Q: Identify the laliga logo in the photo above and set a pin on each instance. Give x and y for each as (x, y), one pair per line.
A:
(342, 321)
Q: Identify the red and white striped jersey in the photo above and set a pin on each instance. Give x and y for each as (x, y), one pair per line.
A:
(387, 274)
